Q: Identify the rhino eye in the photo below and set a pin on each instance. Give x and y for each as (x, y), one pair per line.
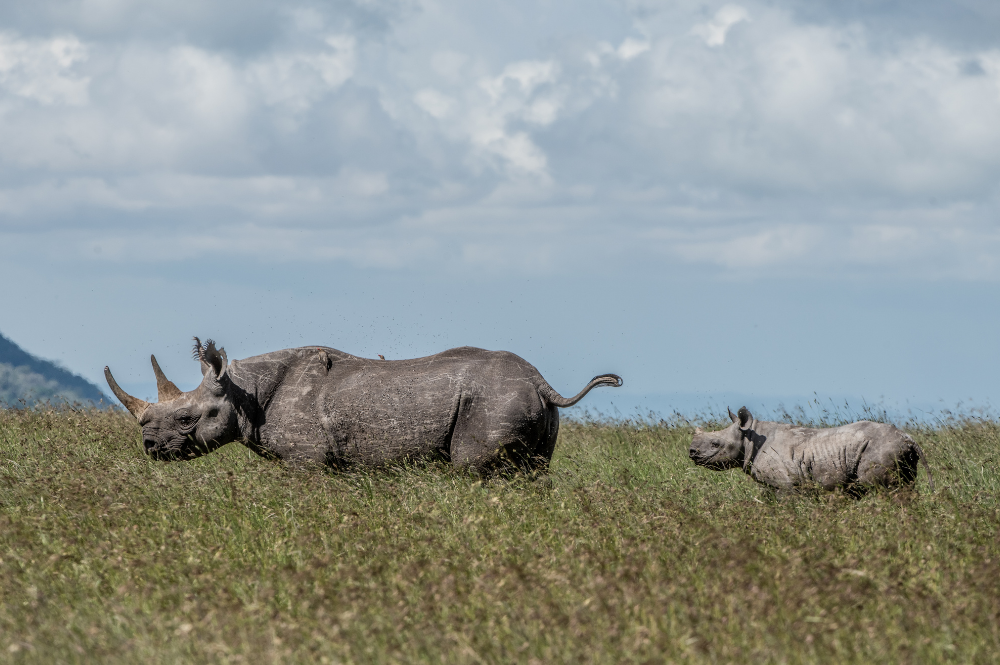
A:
(185, 420)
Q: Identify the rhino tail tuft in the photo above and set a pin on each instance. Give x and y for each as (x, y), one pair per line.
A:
(923, 459)
(550, 394)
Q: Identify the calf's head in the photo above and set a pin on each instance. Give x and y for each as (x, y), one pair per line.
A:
(723, 449)
(186, 425)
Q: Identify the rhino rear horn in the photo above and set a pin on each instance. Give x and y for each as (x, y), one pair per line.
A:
(165, 388)
(134, 405)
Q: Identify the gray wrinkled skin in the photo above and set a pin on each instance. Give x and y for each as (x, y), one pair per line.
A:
(482, 410)
(856, 457)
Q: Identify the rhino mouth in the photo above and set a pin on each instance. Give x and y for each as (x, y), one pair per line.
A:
(699, 457)
(708, 461)
(174, 448)
(703, 461)
(162, 452)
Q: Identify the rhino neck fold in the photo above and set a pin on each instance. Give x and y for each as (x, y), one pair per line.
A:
(267, 390)
(253, 387)
(752, 442)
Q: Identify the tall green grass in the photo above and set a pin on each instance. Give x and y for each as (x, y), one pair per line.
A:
(624, 552)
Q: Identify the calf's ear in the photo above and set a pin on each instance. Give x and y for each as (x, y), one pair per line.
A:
(746, 419)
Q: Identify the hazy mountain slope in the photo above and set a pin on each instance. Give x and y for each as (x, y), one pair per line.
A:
(23, 376)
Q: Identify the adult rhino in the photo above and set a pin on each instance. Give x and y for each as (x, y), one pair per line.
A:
(857, 457)
(483, 410)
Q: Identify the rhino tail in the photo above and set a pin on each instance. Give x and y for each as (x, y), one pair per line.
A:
(923, 459)
(552, 397)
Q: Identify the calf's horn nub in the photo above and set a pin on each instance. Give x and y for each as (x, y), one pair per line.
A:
(134, 405)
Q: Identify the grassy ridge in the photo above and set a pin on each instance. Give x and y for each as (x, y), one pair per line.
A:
(624, 553)
(25, 379)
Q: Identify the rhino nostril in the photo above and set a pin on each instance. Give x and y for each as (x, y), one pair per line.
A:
(148, 444)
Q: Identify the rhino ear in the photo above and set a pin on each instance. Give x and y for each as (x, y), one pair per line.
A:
(212, 360)
(746, 419)
(216, 359)
(199, 355)
(214, 363)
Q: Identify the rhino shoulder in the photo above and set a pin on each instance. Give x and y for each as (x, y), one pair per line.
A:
(325, 352)
(774, 467)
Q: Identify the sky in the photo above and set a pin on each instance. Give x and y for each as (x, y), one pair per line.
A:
(765, 202)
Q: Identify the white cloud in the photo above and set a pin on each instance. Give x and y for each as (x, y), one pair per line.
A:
(714, 32)
(482, 114)
(774, 246)
(821, 111)
(434, 102)
(263, 199)
(526, 75)
(631, 48)
(43, 70)
(297, 79)
(786, 137)
(516, 94)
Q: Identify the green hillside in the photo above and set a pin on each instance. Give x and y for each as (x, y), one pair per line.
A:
(23, 377)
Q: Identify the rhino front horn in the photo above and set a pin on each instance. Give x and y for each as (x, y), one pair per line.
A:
(134, 405)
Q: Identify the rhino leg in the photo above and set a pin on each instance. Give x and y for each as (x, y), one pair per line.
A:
(888, 465)
(504, 435)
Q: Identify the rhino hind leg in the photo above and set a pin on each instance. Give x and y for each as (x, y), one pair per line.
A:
(892, 466)
(504, 441)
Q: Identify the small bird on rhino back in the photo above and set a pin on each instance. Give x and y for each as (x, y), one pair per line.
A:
(482, 410)
(856, 457)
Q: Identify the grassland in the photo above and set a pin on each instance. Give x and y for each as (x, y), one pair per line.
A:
(624, 553)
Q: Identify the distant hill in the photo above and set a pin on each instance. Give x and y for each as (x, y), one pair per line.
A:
(23, 376)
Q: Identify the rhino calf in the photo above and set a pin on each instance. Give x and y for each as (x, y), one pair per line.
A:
(857, 457)
(482, 410)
